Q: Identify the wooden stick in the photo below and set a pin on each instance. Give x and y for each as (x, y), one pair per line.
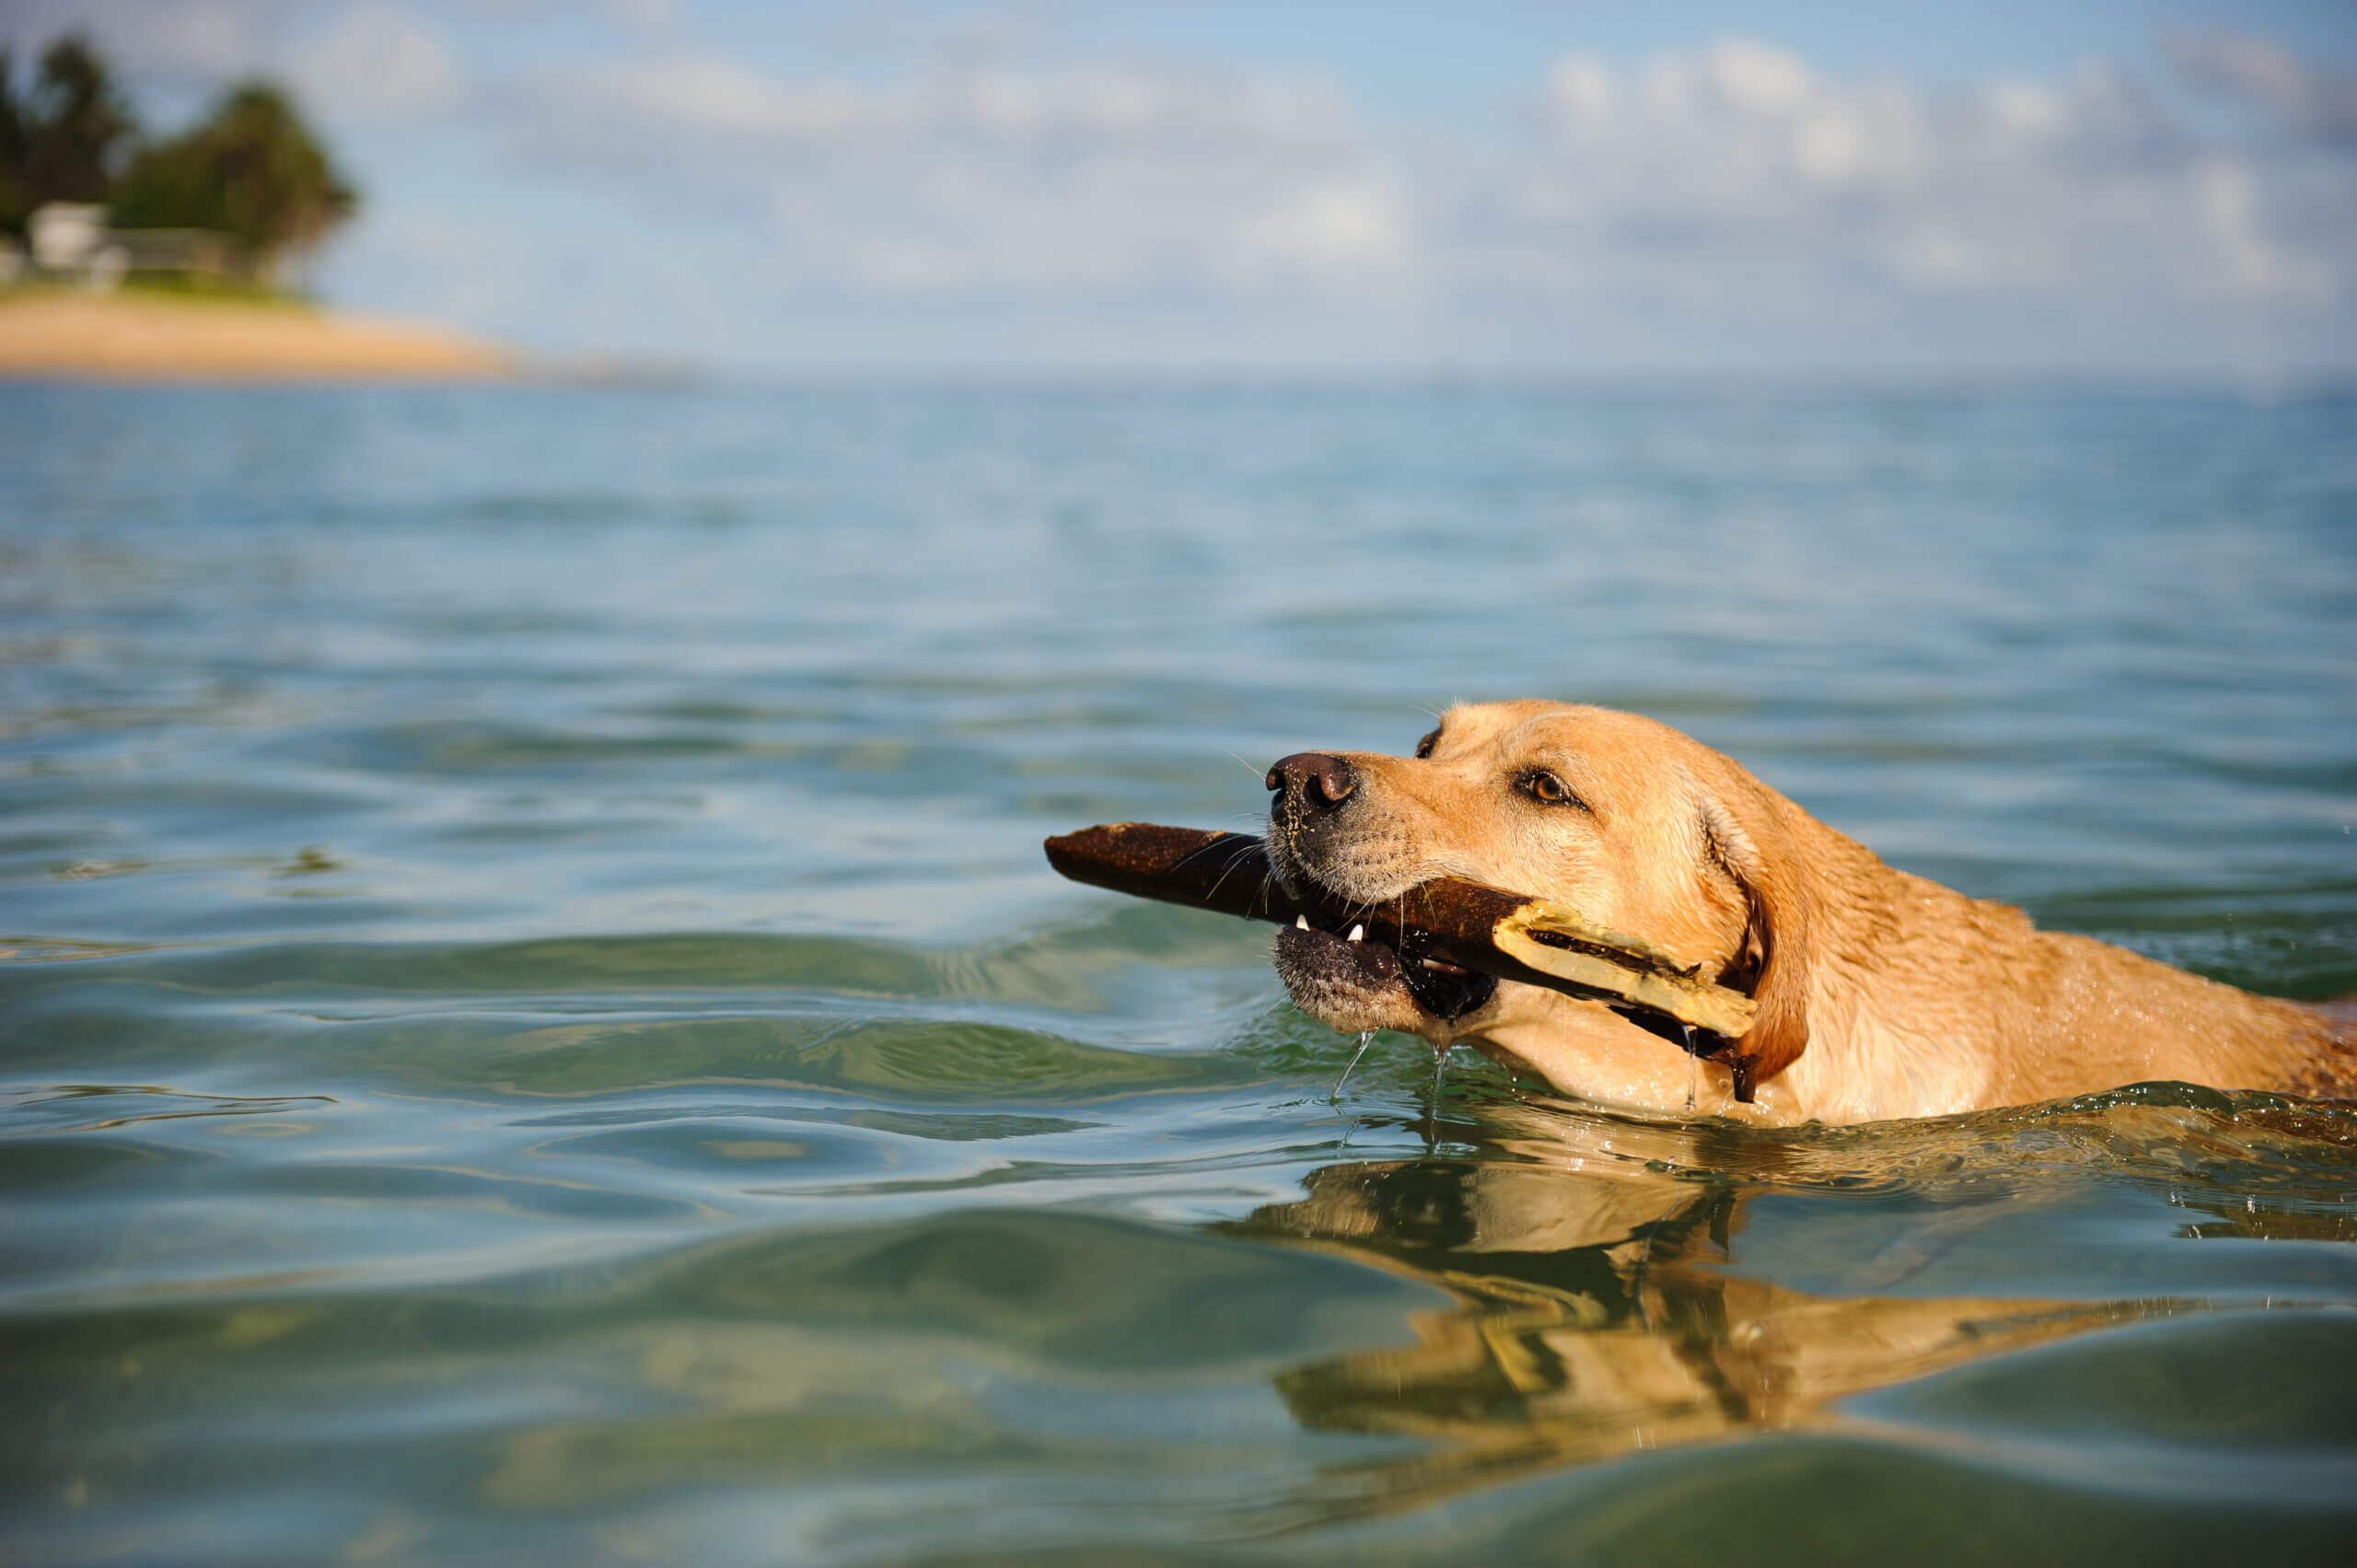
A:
(1504, 934)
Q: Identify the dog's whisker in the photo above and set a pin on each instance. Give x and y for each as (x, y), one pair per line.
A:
(1208, 846)
(1199, 850)
(1243, 853)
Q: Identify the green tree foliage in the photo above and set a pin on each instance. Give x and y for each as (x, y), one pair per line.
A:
(63, 139)
(15, 196)
(252, 169)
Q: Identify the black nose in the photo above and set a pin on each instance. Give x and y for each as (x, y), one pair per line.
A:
(1320, 783)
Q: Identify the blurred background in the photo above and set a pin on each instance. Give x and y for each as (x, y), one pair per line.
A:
(557, 563)
(2154, 187)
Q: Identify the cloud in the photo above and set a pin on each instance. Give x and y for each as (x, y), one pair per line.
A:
(178, 42)
(983, 180)
(369, 58)
(646, 17)
(1002, 195)
(1740, 170)
(375, 59)
(2313, 100)
(1734, 182)
(653, 104)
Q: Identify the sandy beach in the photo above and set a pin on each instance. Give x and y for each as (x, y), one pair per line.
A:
(137, 336)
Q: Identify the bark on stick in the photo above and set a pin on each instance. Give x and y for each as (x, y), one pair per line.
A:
(1499, 933)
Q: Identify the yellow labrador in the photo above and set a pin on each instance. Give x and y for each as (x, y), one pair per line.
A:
(1880, 995)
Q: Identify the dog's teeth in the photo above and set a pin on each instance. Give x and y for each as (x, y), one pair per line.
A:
(1357, 932)
(1301, 922)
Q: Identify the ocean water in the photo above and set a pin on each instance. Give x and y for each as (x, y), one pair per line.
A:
(534, 1024)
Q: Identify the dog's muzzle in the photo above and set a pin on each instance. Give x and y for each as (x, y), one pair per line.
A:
(1342, 975)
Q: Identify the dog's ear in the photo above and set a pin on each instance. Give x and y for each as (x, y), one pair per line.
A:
(1748, 845)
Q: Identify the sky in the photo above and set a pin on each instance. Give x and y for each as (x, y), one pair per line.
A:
(2148, 189)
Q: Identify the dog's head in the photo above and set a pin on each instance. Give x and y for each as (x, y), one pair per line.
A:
(1637, 826)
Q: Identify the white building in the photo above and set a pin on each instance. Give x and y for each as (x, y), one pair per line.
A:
(71, 241)
(67, 235)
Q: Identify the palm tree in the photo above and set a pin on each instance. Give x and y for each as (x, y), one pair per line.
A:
(250, 170)
(62, 141)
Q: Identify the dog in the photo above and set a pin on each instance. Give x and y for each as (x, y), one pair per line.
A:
(1879, 995)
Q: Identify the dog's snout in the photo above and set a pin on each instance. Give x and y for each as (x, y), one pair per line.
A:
(1318, 782)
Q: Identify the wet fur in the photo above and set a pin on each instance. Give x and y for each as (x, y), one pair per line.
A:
(1881, 994)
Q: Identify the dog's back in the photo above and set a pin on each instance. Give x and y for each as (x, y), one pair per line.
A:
(1910, 978)
(2037, 1015)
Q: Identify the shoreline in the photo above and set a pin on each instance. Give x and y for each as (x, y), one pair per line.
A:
(137, 335)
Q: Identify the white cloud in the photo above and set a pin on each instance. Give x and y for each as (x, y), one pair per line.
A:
(1738, 170)
(1755, 78)
(1354, 222)
(651, 18)
(984, 180)
(375, 58)
(175, 41)
(2315, 101)
(998, 193)
(1735, 171)
(1729, 200)
(703, 96)
(366, 57)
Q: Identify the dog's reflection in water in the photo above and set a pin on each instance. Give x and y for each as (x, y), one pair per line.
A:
(1594, 1312)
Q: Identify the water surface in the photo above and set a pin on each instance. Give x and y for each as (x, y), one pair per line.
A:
(533, 1024)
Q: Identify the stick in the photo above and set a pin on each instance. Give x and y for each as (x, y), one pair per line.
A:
(1503, 934)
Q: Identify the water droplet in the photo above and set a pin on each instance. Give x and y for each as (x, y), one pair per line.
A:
(1365, 1037)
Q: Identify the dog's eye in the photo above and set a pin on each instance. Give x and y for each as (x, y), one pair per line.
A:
(1424, 747)
(1547, 789)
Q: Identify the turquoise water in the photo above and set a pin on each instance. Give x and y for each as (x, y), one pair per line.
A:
(534, 1026)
